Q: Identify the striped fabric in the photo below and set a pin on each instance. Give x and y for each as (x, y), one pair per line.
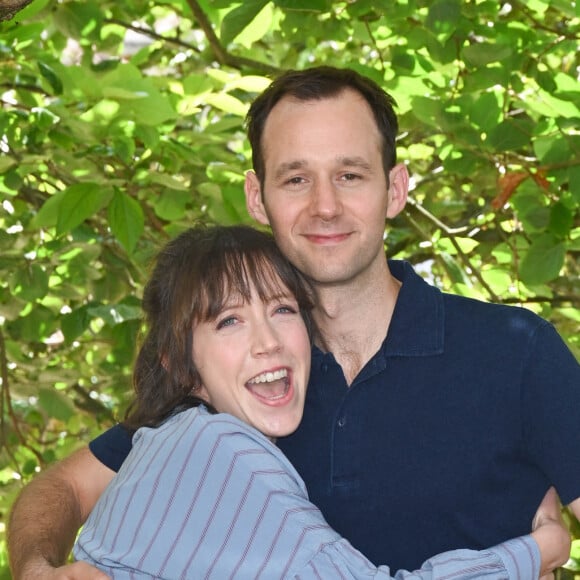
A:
(207, 496)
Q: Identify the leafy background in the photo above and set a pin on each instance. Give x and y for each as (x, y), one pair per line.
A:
(122, 122)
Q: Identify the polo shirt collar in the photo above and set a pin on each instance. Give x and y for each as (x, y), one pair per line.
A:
(418, 322)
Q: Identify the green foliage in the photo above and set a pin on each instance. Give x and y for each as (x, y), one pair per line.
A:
(122, 122)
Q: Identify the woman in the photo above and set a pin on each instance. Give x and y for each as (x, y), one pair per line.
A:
(222, 372)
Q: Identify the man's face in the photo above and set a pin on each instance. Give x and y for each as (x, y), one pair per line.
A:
(325, 191)
(254, 362)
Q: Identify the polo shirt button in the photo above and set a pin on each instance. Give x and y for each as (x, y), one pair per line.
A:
(341, 422)
(324, 368)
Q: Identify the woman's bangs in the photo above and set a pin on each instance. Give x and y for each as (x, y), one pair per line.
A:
(237, 275)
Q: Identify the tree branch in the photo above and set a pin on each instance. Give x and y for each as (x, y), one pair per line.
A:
(9, 8)
(219, 52)
(6, 409)
(152, 34)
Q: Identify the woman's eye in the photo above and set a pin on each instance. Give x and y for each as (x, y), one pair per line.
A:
(286, 309)
(229, 321)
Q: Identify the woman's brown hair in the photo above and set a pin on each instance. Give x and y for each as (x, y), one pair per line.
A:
(192, 279)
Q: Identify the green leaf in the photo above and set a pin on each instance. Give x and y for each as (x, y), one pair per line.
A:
(126, 219)
(443, 17)
(427, 110)
(498, 279)
(116, 313)
(465, 244)
(169, 181)
(561, 220)
(402, 59)
(227, 103)
(573, 314)
(74, 323)
(196, 84)
(29, 283)
(482, 54)
(510, 135)
(47, 215)
(32, 9)
(79, 202)
(55, 404)
(543, 260)
(486, 112)
(574, 176)
(6, 163)
(250, 83)
(35, 326)
(78, 19)
(44, 118)
(552, 149)
(303, 5)
(138, 97)
(456, 273)
(237, 19)
(171, 204)
(546, 81)
(53, 79)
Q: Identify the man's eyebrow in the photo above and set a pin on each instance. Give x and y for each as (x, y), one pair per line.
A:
(284, 168)
(355, 162)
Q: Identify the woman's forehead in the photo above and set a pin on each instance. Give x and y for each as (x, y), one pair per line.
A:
(267, 286)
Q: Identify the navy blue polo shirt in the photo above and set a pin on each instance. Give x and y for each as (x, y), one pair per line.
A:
(448, 437)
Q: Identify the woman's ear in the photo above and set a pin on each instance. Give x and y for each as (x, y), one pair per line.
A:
(202, 393)
(254, 201)
(398, 190)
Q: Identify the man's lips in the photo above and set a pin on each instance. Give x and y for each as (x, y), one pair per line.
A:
(327, 239)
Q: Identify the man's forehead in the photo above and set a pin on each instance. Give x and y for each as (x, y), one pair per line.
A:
(297, 115)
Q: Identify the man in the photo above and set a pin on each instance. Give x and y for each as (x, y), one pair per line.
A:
(429, 421)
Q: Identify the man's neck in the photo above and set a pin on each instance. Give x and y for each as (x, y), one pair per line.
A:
(353, 319)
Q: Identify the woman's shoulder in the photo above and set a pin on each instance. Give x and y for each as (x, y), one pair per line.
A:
(198, 426)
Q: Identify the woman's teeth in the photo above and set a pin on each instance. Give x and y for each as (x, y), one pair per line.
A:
(269, 377)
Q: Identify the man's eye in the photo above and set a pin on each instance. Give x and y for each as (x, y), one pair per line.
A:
(351, 176)
(295, 181)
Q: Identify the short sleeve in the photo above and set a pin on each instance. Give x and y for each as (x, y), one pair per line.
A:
(112, 447)
(551, 410)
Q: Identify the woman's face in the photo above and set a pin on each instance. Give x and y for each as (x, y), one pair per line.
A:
(254, 362)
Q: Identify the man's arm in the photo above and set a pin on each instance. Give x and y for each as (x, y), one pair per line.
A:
(575, 507)
(47, 515)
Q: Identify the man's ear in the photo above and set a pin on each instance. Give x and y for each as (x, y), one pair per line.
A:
(254, 202)
(398, 190)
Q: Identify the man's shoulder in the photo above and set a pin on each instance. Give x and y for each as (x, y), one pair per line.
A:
(509, 317)
(439, 314)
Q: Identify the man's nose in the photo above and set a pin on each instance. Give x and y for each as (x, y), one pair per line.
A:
(325, 201)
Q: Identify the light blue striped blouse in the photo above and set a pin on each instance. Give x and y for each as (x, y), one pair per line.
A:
(207, 496)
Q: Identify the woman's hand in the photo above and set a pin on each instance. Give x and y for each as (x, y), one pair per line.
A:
(551, 534)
